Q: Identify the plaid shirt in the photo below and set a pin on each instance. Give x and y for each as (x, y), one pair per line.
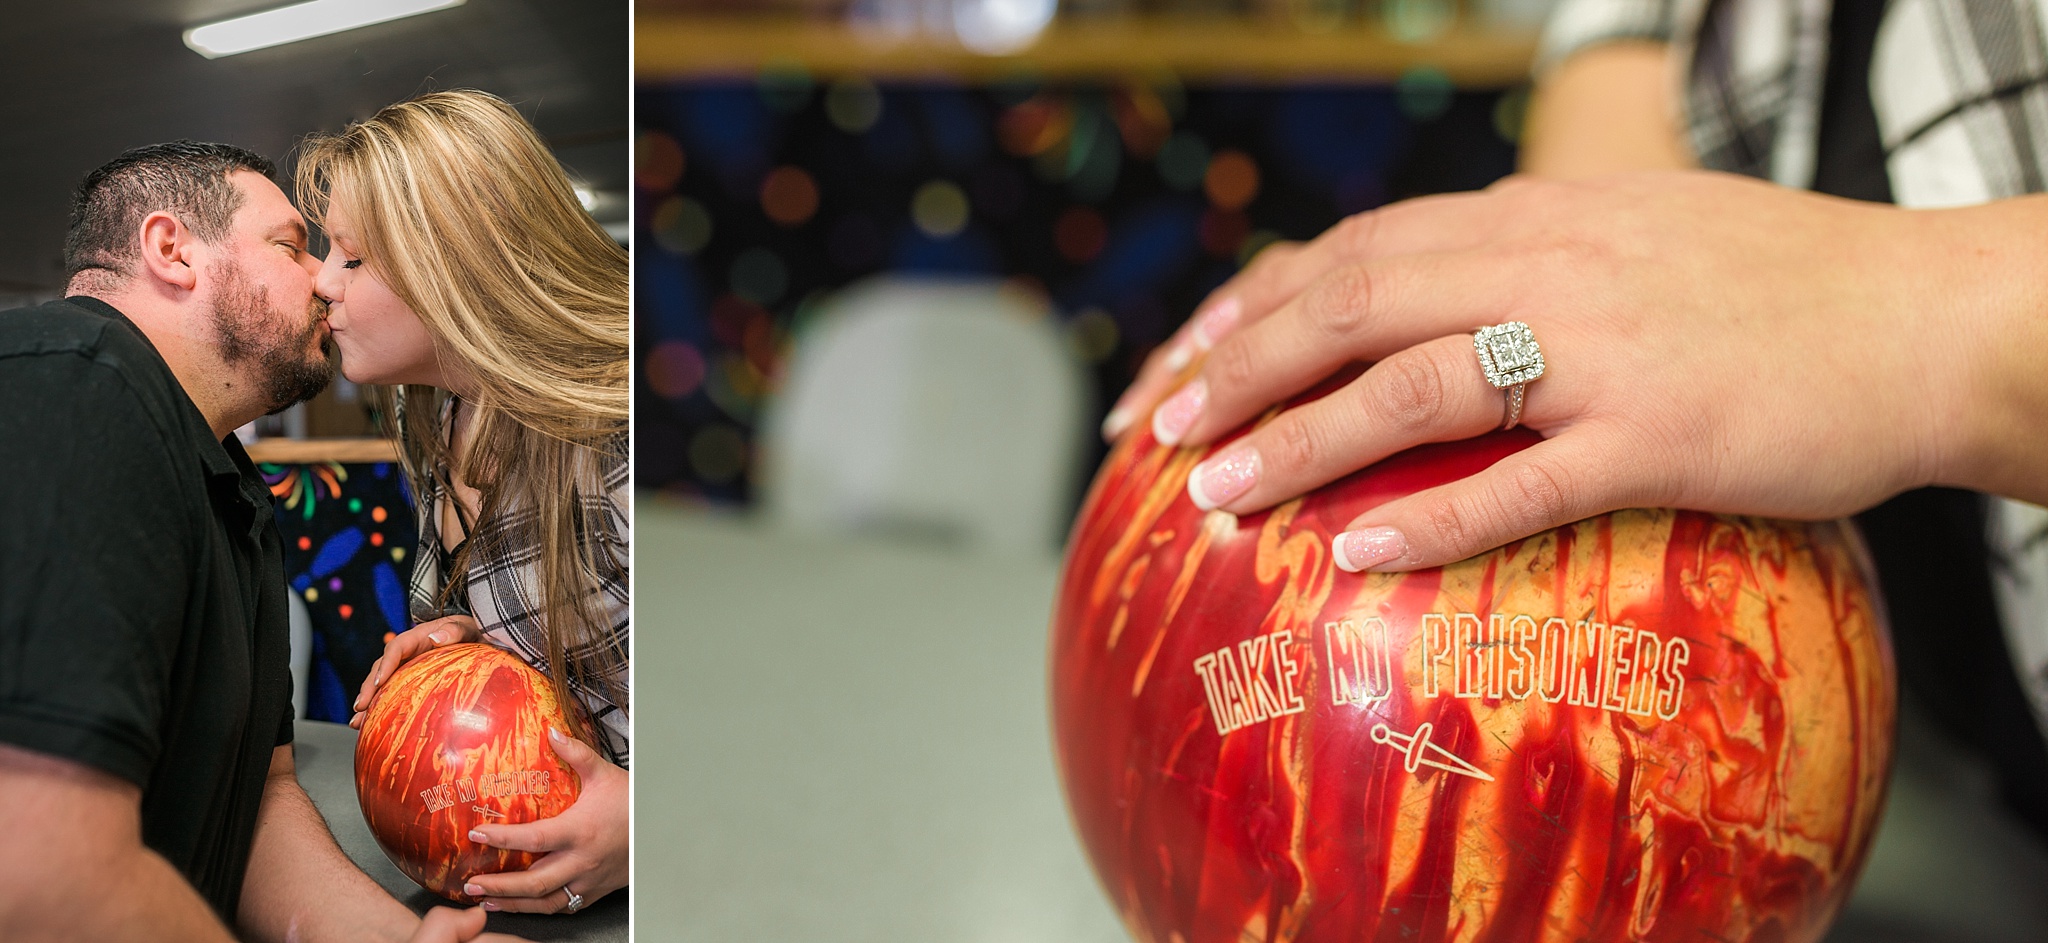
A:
(501, 587)
(1960, 90)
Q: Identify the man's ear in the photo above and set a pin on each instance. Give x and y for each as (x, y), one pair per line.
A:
(168, 250)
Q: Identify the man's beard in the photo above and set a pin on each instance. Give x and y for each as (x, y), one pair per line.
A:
(243, 319)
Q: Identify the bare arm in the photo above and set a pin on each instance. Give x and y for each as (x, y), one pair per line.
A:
(1607, 109)
(75, 867)
(301, 886)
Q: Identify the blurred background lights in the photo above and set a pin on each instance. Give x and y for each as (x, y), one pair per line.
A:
(1424, 93)
(1231, 180)
(789, 196)
(658, 162)
(853, 105)
(1080, 234)
(759, 276)
(997, 27)
(785, 86)
(681, 225)
(1183, 160)
(1093, 335)
(718, 453)
(1418, 21)
(674, 369)
(939, 209)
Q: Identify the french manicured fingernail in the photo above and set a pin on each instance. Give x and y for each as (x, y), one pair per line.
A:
(1224, 478)
(489, 905)
(440, 636)
(1174, 417)
(1360, 550)
(1116, 422)
(473, 890)
(1178, 355)
(1213, 322)
(475, 836)
(557, 735)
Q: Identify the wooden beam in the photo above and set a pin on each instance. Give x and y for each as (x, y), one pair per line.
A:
(308, 451)
(675, 46)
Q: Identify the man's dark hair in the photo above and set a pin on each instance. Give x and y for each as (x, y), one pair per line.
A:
(188, 179)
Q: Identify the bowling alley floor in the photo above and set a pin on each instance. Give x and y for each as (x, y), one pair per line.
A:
(849, 744)
(1950, 866)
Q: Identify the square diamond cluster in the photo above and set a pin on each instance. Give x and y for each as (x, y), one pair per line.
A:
(1508, 353)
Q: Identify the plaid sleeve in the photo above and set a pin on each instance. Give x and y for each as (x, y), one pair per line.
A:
(1578, 24)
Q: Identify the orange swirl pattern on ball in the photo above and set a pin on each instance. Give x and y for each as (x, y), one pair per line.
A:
(459, 738)
(1257, 746)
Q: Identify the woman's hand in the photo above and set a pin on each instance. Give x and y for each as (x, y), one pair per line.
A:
(584, 849)
(406, 646)
(1712, 342)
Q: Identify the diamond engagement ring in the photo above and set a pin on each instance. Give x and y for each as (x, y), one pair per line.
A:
(1509, 355)
(575, 900)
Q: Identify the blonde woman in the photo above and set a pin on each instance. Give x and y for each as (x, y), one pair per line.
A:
(464, 274)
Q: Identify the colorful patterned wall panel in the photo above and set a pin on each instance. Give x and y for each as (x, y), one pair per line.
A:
(349, 535)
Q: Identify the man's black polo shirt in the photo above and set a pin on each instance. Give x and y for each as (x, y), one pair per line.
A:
(143, 621)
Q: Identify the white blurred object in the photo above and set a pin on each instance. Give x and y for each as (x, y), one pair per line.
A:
(990, 27)
(302, 653)
(999, 27)
(943, 409)
(1511, 15)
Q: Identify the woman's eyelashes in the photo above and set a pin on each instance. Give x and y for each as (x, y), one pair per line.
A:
(352, 263)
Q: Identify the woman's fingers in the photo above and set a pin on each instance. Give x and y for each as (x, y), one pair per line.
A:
(407, 645)
(1214, 320)
(1433, 392)
(1279, 274)
(553, 902)
(1358, 313)
(546, 876)
(1549, 484)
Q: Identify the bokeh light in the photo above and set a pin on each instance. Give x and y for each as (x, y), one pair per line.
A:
(1417, 21)
(785, 86)
(1424, 93)
(1034, 126)
(718, 453)
(999, 27)
(939, 209)
(1510, 112)
(1255, 244)
(759, 276)
(853, 105)
(658, 162)
(681, 225)
(1183, 160)
(789, 196)
(1093, 335)
(674, 369)
(1224, 232)
(1232, 180)
(1080, 234)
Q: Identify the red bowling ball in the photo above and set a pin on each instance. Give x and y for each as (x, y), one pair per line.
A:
(1651, 725)
(459, 738)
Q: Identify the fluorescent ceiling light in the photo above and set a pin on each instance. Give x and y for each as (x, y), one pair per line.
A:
(300, 21)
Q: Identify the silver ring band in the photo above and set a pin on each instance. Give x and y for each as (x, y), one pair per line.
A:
(1512, 359)
(575, 900)
(1512, 413)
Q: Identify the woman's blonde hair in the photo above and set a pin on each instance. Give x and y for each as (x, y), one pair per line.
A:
(469, 219)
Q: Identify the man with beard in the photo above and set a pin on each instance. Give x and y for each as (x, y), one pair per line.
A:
(146, 780)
